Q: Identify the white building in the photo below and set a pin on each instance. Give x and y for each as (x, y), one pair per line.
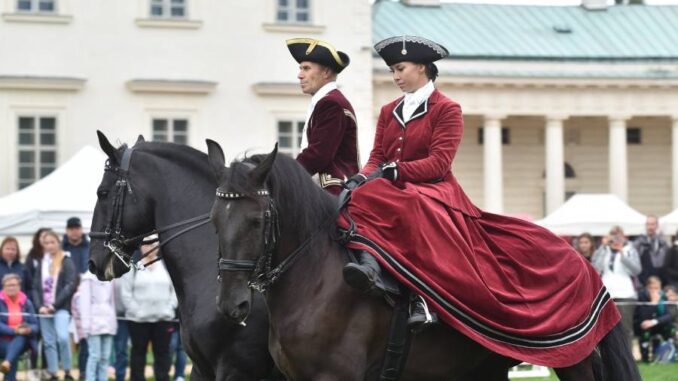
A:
(182, 70)
(584, 99)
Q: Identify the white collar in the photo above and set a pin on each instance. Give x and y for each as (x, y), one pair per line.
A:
(329, 86)
(421, 95)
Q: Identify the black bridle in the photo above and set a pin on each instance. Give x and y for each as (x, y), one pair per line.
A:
(263, 275)
(112, 235)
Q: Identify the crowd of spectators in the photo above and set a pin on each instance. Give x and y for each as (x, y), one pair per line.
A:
(641, 276)
(50, 303)
(52, 299)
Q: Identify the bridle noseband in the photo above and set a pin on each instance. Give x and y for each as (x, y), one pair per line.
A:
(112, 235)
(262, 276)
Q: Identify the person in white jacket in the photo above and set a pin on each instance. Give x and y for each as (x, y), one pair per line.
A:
(149, 301)
(96, 301)
(617, 262)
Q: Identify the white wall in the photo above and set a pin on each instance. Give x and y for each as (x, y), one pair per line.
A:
(227, 42)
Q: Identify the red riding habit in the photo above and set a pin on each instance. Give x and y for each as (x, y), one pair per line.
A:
(508, 284)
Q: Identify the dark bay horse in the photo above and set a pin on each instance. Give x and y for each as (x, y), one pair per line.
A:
(168, 183)
(273, 220)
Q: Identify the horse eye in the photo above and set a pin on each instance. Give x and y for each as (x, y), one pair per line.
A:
(102, 194)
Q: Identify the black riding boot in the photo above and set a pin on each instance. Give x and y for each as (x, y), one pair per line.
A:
(364, 276)
(420, 316)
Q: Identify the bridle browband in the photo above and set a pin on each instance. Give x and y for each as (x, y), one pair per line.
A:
(263, 275)
(112, 235)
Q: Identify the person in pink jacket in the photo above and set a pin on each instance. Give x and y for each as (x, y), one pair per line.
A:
(96, 306)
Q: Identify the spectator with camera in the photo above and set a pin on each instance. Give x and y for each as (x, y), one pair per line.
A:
(617, 262)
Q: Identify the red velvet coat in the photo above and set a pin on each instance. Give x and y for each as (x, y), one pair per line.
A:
(424, 148)
(332, 150)
(508, 284)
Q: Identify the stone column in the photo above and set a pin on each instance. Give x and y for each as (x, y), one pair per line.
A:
(494, 185)
(555, 163)
(618, 157)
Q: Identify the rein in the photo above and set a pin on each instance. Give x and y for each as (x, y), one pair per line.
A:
(112, 235)
(263, 276)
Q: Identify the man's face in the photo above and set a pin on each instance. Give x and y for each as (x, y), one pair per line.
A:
(313, 76)
(74, 234)
(651, 226)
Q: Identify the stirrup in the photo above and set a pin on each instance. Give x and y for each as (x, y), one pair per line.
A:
(419, 319)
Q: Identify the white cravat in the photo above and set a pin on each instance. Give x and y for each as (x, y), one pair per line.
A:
(413, 100)
(329, 86)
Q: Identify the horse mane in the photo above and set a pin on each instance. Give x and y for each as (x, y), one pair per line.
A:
(194, 160)
(300, 201)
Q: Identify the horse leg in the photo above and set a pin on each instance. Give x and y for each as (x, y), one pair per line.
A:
(196, 375)
(227, 372)
(494, 368)
(589, 369)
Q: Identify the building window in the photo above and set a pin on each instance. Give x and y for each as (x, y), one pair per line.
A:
(634, 135)
(505, 136)
(37, 148)
(170, 130)
(168, 8)
(37, 6)
(289, 136)
(293, 11)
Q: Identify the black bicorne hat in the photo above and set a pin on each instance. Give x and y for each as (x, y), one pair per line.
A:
(310, 49)
(410, 48)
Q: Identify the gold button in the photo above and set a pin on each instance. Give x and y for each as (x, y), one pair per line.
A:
(398, 149)
(400, 138)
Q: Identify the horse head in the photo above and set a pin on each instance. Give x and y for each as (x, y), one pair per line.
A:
(246, 224)
(120, 214)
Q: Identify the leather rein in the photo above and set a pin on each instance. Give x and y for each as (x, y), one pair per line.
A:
(112, 235)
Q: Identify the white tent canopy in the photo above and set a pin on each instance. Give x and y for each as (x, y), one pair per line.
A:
(669, 223)
(68, 191)
(595, 214)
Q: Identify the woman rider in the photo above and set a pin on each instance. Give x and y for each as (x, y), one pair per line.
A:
(510, 285)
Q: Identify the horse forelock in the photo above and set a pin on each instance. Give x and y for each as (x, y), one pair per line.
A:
(300, 202)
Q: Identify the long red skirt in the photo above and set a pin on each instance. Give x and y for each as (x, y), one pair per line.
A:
(510, 285)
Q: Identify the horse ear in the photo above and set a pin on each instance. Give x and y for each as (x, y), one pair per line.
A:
(215, 156)
(260, 173)
(106, 146)
(140, 139)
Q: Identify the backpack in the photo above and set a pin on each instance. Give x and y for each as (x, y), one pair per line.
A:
(665, 353)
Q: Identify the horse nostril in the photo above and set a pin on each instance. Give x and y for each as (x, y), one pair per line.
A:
(92, 267)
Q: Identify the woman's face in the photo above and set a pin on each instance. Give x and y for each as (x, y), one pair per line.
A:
(41, 238)
(9, 251)
(50, 244)
(11, 287)
(585, 245)
(409, 76)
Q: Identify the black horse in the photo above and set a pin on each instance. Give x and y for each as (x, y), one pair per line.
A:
(275, 233)
(164, 184)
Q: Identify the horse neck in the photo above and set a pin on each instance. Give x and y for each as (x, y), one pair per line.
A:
(179, 192)
(314, 275)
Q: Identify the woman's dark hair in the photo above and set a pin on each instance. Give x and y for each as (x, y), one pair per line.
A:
(431, 71)
(36, 251)
(590, 238)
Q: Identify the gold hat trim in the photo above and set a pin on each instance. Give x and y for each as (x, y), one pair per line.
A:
(312, 42)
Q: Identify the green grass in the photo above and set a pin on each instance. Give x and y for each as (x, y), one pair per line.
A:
(648, 372)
